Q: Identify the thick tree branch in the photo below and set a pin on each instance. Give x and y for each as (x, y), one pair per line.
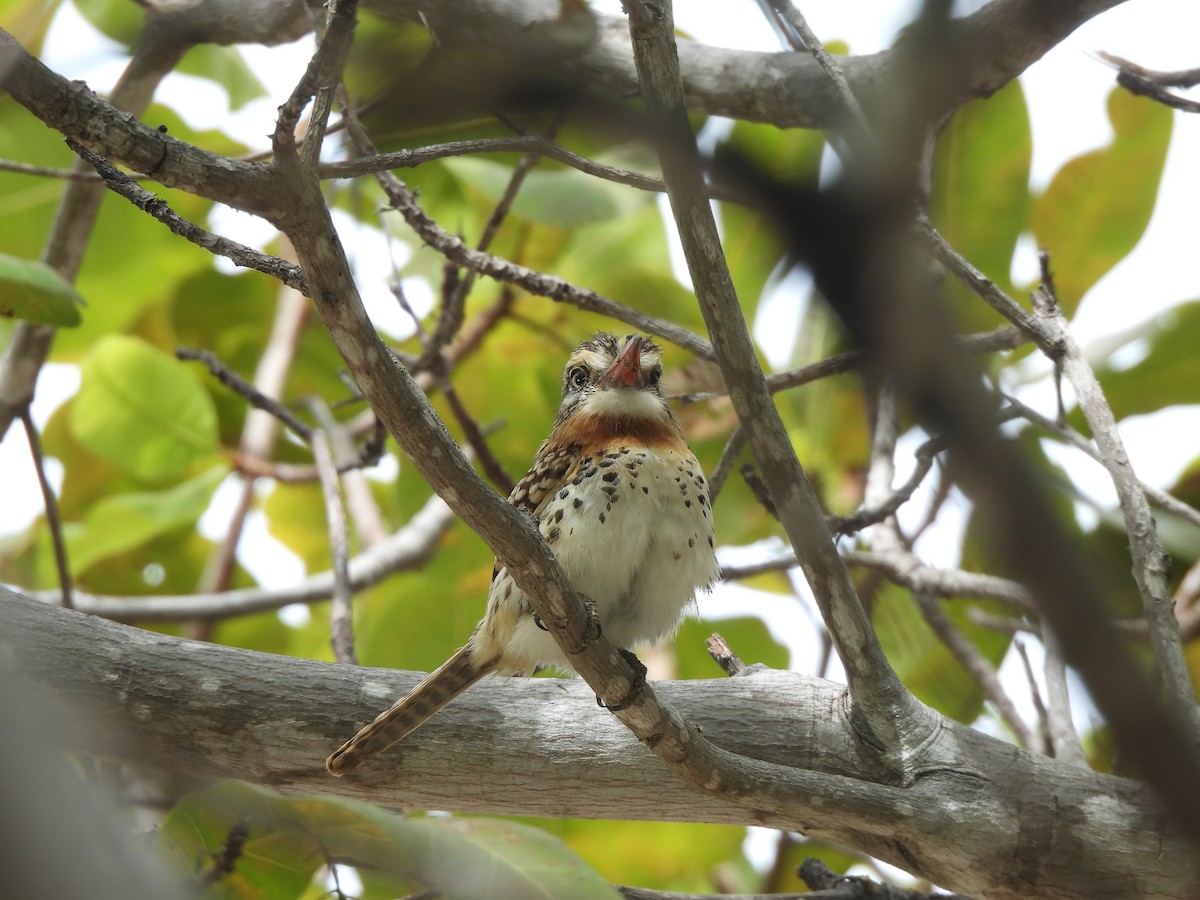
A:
(1036, 828)
(989, 48)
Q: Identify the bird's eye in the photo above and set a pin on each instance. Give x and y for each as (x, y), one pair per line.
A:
(577, 378)
(654, 376)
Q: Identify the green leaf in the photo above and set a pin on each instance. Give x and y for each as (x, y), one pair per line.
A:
(1169, 375)
(226, 67)
(284, 840)
(921, 659)
(116, 19)
(35, 292)
(125, 521)
(980, 200)
(561, 198)
(1098, 205)
(139, 408)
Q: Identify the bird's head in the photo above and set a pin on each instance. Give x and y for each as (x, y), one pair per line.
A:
(611, 387)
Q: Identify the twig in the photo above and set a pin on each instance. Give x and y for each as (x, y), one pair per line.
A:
(453, 248)
(1142, 82)
(1151, 564)
(477, 441)
(240, 386)
(786, 11)
(50, 504)
(323, 72)
(729, 456)
(1160, 497)
(1035, 695)
(984, 342)
(454, 299)
(818, 876)
(723, 656)
(20, 168)
(527, 143)
(1060, 728)
(977, 666)
(157, 208)
(341, 614)
(409, 548)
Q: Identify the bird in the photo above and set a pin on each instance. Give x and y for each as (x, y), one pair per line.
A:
(623, 504)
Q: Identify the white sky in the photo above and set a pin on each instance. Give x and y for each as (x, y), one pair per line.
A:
(1066, 92)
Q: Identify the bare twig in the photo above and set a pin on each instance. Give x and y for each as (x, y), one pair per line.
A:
(1035, 695)
(341, 615)
(1151, 564)
(1160, 497)
(723, 656)
(729, 456)
(409, 548)
(50, 504)
(239, 254)
(984, 342)
(240, 386)
(1060, 728)
(1142, 82)
(528, 144)
(786, 12)
(977, 666)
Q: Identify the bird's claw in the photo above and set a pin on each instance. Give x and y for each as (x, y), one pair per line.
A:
(593, 631)
(635, 688)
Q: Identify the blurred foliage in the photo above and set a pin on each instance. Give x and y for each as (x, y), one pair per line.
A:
(147, 440)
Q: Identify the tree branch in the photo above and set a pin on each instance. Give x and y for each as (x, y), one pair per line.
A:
(1038, 828)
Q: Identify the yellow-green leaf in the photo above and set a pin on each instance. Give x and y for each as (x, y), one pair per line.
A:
(143, 410)
(119, 523)
(1098, 205)
(34, 292)
(281, 841)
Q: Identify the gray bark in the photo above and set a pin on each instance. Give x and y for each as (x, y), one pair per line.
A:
(970, 812)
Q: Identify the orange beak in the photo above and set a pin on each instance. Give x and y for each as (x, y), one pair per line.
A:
(626, 370)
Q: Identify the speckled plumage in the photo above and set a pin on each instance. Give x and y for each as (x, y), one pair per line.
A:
(623, 504)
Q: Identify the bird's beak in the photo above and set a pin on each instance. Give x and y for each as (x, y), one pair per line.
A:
(626, 370)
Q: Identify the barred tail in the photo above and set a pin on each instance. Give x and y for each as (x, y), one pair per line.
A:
(408, 713)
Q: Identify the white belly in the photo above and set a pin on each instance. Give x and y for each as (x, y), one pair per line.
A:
(634, 533)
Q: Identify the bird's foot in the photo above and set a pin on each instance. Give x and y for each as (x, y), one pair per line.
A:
(592, 632)
(590, 635)
(635, 688)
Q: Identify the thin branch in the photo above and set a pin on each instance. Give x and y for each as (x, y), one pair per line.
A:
(341, 615)
(724, 656)
(477, 441)
(157, 208)
(409, 548)
(50, 504)
(786, 12)
(1142, 82)
(983, 342)
(1035, 695)
(1060, 727)
(1151, 564)
(977, 666)
(452, 247)
(729, 455)
(243, 388)
(1167, 501)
